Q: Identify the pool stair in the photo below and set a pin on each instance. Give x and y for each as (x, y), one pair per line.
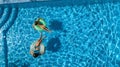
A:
(1, 12)
(7, 20)
(5, 17)
(4, 14)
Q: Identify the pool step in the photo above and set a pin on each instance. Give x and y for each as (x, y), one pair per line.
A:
(1, 12)
(2, 55)
(11, 20)
(5, 17)
(5, 28)
(8, 16)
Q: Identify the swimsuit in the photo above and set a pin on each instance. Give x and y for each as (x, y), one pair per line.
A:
(37, 51)
(41, 48)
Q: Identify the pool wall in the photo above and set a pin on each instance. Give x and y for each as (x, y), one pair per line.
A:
(24, 3)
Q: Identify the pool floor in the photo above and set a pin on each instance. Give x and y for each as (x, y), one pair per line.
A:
(82, 36)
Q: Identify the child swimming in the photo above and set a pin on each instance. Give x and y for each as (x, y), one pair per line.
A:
(37, 48)
(40, 25)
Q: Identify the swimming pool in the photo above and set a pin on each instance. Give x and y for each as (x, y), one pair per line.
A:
(83, 35)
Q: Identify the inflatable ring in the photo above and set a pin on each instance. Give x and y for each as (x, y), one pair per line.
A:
(40, 21)
(42, 49)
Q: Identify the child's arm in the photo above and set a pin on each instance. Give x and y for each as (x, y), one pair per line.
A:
(40, 40)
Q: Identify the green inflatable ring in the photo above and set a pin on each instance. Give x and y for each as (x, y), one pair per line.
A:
(40, 21)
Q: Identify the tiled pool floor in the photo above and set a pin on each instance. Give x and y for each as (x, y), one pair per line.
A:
(82, 36)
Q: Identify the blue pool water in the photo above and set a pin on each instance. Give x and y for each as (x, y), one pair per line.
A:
(82, 35)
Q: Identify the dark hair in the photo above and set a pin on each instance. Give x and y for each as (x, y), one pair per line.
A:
(36, 22)
(35, 55)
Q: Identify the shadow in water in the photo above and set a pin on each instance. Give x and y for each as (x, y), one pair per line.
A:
(56, 25)
(54, 44)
